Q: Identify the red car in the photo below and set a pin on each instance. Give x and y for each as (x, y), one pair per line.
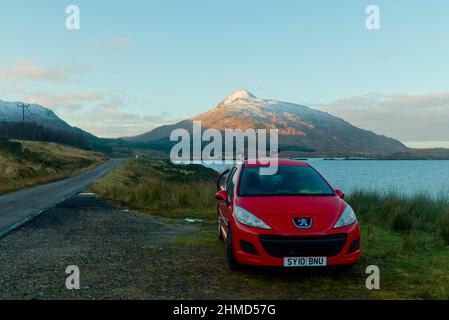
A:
(293, 218)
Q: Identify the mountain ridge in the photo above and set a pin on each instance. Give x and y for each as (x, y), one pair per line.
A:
(299, 126)
(10, 112)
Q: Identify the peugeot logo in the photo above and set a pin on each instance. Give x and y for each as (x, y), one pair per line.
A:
(303, 223)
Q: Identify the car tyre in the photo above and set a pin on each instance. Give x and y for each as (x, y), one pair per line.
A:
(230, 254)
(345, 267)
(220, 232)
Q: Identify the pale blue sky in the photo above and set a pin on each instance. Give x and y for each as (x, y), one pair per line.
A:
(137, 64)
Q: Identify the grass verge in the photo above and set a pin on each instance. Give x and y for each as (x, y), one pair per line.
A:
(408, 215)
(160, 187)
(40, 162)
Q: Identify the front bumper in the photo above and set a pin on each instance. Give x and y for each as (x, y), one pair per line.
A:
(261, 255)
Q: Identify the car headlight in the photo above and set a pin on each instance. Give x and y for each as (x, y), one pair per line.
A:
(249, 219)
(347, 218)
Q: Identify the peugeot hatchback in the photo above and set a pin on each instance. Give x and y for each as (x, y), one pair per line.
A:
(293, 218)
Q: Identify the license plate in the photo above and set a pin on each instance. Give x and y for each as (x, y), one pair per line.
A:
(305, 262)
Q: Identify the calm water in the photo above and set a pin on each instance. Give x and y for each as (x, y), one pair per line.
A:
(408, 177)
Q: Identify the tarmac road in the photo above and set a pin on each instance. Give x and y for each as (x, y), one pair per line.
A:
(22, 206)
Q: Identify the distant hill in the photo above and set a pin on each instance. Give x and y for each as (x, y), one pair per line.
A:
(9, 112)
(41, 124)
(300, 128)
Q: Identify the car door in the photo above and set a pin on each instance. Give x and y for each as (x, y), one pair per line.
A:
(225, 207)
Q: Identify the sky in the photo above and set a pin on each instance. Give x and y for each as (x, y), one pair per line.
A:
(138, 64)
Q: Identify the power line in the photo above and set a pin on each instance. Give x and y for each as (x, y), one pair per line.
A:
(23, 106)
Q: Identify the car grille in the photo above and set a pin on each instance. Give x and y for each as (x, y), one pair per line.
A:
(321, 246)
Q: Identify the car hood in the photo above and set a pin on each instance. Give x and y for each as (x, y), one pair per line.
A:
(278, 212)
(282, 205)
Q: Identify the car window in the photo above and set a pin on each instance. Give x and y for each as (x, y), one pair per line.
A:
(234, 182)
(289, 180)
(230, 184)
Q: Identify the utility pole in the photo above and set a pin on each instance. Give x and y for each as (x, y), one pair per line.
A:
(23, 106)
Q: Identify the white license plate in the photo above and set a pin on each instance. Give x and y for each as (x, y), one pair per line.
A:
(305, 262)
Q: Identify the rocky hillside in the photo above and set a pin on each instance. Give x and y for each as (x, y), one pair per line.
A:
(300, 127)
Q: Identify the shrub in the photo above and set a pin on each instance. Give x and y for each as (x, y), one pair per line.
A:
(402, 222)
(401, 213)
(11, 147)
(443, 225)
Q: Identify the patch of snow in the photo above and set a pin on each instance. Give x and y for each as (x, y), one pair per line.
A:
(239, 94)
(9, 112)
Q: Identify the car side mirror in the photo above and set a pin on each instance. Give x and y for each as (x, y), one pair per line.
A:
(222, 195)
(340, 193)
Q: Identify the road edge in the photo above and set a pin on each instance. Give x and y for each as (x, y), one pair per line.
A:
(34, 215)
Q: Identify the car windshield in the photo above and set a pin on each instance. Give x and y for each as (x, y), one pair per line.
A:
(288, 181)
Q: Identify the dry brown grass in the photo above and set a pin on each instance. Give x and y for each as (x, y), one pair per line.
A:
(43, 162)
(161, 188)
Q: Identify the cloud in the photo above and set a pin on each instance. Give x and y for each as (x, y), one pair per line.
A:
(120, 42)
(427, 144)
(59, 101)
(381, 55)
(419, 117)
(112, 43)
(109, 120)
(70, 100)
(102, 114)
(28, 70)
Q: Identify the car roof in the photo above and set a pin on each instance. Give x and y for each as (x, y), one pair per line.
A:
(281, 162)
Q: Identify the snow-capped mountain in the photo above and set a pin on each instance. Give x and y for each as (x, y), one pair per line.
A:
(10, 112)
(58, 130)
(300, 127)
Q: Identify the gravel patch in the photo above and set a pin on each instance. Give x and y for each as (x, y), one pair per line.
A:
(116, 250)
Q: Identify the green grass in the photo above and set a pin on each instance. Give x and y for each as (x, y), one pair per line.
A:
(411, 268)
(420, 213)
(406, 237)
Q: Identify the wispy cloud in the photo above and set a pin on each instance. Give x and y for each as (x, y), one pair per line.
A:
(102, 114)
(56, 101)
(112, 43)
(24, 69)
(69, 100)
(427, 144)
(109, 120)
(420, 117)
